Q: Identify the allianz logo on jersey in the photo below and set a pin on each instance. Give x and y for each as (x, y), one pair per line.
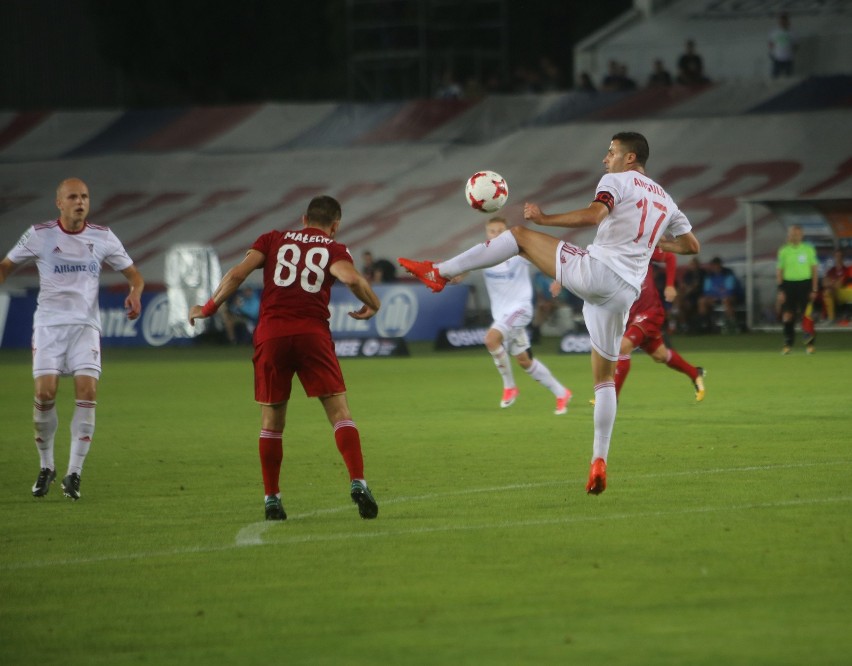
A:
(394, 320)
(155, 327)
(92, 267)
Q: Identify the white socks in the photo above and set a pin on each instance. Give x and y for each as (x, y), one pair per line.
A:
(82, 431)
(494, 252)
(45, 423)
(605, 407)
(540, 372)
(504, 366)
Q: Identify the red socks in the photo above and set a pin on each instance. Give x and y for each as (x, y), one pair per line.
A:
(621, 370)
(271, 453)
(676, 362)
(349, 444)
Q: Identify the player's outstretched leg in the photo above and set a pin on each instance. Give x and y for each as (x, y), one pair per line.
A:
(426, 272)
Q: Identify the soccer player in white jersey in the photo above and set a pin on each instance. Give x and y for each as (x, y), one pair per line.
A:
(510, 293)
(633, 215)
(69, 252)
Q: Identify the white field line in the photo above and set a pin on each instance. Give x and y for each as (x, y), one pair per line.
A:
(252, 534)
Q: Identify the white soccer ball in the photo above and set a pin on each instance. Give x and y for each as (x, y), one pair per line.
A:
(486, 191)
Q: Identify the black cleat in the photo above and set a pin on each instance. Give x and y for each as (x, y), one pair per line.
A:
(71, 486)
(362, 496)
(274, 509)
(42, 485)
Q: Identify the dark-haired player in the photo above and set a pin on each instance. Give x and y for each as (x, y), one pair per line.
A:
(293, 337)
(632, 214)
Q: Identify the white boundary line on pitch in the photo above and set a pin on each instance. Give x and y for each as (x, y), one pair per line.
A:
(252, 534)
(411, 531)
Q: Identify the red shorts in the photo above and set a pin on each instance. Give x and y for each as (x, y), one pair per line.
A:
(645, 331)
(310, 356)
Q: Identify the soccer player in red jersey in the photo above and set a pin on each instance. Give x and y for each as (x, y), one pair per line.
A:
(293, 337)
(645, 325)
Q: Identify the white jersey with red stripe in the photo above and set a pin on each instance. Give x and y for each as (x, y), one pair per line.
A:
(641, 213)
(509, 287)
(69, 267)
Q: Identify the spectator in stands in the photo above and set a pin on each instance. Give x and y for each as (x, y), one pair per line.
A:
(837, 288)
(690, 67)
(617, 78)
(782, 47)
(449, 87)
(551, 75)
(367, 263)
(660, 76)
(552, 305)
(721, 288)
(241, 315)
(612, 81)
(383, 271)
(689, 289)
(473, 88)
(586, 84)
(627, 83)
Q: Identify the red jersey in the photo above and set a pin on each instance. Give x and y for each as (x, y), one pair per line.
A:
(841, 276)
(648, 304)
(296, 282)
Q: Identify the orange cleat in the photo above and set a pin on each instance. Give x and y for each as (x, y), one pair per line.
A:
(509, 396)
(597, 477)
(562, 403)
(426, 272)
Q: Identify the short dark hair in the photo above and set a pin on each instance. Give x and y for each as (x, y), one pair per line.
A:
(324, 211)
(634, 143)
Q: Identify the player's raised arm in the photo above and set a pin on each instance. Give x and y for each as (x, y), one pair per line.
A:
(231, 281)
(359, 286)
(590, 216)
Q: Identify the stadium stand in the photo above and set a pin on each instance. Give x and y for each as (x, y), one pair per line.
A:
(222, 175)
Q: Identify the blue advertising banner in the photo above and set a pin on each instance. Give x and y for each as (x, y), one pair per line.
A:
(409, 311)
(151, 328)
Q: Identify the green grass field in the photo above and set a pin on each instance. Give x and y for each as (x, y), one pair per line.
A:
(723, 537)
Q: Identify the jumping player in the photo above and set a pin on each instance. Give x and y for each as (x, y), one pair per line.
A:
(632, 214)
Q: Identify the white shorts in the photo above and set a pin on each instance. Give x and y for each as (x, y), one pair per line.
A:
(607, 297)
(514, 330)
(66, 350)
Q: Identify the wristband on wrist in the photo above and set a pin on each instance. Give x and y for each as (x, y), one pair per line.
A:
(209, 308)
